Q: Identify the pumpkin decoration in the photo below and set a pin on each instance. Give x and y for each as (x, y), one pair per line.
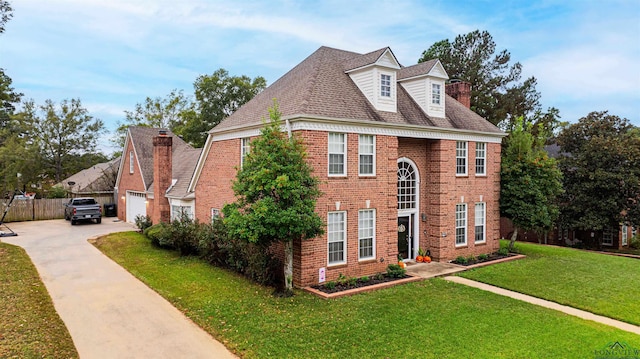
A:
(420, 257)
(427, 259)
(401, 263)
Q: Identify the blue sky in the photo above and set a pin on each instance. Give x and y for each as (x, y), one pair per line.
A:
(113, 54)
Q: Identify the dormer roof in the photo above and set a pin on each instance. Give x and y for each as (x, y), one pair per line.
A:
(382, 57)
(428, 68)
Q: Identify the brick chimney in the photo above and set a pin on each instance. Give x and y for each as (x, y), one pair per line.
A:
(459, 90)
(162, 167)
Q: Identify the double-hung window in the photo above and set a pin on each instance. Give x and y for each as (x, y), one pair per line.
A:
(366, 155)
(625, 240)
(337, 237)
(435, 94)
(481, 158)
(337, 154)
(461, 224)
(385, 85)
(366, 234)
(481, 217)
(181, 212)
(461, 158)
(245, 147)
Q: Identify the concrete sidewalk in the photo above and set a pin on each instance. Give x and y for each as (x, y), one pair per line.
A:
(548, 304)
(109, 313)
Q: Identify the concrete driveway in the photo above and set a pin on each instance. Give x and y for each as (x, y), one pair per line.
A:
(109, 313)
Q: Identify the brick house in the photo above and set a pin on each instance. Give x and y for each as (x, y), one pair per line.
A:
(154, 174)
(403, 162)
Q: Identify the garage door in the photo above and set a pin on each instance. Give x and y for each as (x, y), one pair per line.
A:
(136, 205)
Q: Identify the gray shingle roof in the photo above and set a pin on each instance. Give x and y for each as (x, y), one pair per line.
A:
(416, 70)
(142, 138)
(95, 179)
(184, 164)
(319, 86)
(364, 60)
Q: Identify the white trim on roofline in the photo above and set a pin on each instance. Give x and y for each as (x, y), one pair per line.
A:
(317, 123)
(121, 166)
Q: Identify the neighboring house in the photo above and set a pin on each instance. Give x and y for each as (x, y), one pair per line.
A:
(154, 175)
(402, 164)
(95, 180)
(614, 238)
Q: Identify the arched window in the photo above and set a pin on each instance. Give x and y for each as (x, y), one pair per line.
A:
(407, 183)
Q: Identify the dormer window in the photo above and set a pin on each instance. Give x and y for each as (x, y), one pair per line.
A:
(435, 94)
(385, 85)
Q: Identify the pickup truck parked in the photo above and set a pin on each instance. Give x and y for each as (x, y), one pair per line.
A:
(83, 209)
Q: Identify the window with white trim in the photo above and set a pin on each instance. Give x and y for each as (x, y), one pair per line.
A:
(607, 236)
(634, 231)
(407, 185)
(625, 239)
(385, 85)
(366, 155)
(130, 161)
(366, 234)
(177, 212)
(435, 93)
(481, 158)
(215, 214)
(481, 218)
(337, 154)
(461, 158)
(245, 147)
(461, 224)
(337, 237)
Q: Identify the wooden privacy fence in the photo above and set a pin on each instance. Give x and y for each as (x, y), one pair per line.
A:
(41, 209)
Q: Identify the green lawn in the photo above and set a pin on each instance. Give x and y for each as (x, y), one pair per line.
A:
(599, 283)
(429, 319)
(29, 324)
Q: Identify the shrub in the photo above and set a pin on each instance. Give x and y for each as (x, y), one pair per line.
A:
(143, 222)
(157, 234)
(635, 242)
(395, 271)
(461, 260)
(483, 257)
(254, 261)
(504, 251)
(471, 258)
(379, 276)
(364, 279)
(330, 285)
(184, 235)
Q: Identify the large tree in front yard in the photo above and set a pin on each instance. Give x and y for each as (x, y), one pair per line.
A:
(601, 167)
(530, 182)
(276, 194)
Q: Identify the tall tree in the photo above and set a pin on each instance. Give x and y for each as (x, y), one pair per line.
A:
(496, 91)
(63, 134)
(530, 182)
(276, 194)
(601, 165)
(9, 98)
(217, 96)
(168, 112)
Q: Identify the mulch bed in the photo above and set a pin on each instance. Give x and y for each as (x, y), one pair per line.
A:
(492, 257)
(340, 287)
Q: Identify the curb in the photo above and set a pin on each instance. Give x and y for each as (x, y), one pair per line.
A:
(369, 288)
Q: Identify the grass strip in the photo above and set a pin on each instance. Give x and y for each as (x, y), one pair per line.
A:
(429, 319)
(599, 283)
(29, 324)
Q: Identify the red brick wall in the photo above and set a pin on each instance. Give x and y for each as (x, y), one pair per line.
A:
(128, 182)
(440, 190)
(213, 189)
(352, 192)
(162, 165)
